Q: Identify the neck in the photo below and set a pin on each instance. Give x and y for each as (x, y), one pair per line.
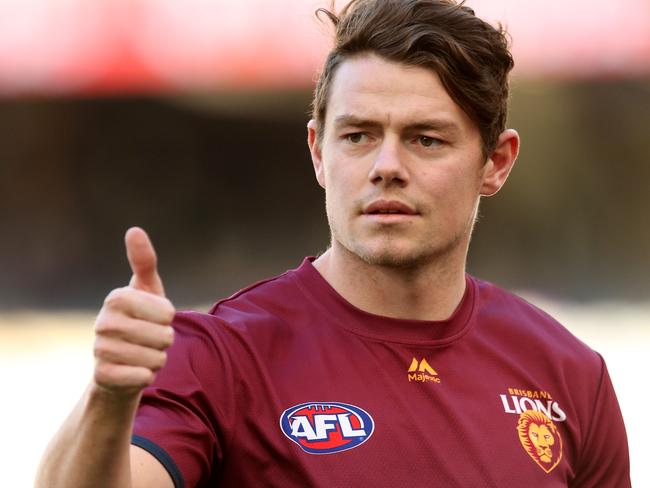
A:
(430, 291)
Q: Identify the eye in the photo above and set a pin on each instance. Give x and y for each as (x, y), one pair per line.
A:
(356, 137)
(427, 141)
(534, 434)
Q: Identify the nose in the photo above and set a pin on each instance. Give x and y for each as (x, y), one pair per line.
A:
(388, 166)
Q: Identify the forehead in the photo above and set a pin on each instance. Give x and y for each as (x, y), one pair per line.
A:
(371, 87)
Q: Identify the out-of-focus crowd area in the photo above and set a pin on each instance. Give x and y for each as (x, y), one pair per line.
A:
(187, 117)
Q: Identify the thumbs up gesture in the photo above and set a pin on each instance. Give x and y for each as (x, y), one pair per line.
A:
(133, 328)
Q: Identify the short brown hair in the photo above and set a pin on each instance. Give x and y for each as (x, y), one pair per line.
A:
(470, 56)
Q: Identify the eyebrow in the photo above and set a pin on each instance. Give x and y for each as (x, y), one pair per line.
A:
(441, 125)
(352, 120)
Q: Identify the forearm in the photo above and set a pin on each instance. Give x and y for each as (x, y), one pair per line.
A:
(132, 331)
(91, 449)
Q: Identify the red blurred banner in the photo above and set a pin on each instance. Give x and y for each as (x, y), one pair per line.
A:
(117, 46)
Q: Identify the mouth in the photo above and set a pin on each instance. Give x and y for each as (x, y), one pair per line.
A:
(389, 209)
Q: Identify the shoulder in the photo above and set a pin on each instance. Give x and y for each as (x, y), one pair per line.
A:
(523, 326)
(268, 299)
(262, 308)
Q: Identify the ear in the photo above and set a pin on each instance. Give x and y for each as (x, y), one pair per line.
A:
(498, 166)
(315, 150)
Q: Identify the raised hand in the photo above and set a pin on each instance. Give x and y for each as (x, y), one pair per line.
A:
(133, 328)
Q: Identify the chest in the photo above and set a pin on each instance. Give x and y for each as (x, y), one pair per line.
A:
(391, 415)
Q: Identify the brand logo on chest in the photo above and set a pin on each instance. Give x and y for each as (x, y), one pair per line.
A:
(421, 371)
(518, 401)
(538, 435)
(327, 427)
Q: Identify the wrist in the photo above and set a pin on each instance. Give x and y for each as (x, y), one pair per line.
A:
(112, 401)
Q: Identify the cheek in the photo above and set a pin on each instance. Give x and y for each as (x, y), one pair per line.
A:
(337, 192)
(342, 182)
(450, 173)
(449, 193)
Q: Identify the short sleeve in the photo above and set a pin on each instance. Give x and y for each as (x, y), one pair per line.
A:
(182, 418)
(604, 459)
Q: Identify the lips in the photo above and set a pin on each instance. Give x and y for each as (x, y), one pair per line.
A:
(388, 207)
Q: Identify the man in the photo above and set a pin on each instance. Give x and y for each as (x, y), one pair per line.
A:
(380, 363)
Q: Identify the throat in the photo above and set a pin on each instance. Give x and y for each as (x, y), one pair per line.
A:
(421, 293)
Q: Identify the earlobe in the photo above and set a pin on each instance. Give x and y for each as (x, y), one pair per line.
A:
(500, 162)
(315, 151)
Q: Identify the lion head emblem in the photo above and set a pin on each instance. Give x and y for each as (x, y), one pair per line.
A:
(540, 439)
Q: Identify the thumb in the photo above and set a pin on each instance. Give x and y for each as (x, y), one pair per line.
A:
(143, 262)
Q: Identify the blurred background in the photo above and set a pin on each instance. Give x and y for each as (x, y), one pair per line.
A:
(187, 117)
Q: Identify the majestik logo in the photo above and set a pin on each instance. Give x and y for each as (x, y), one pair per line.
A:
(421, 372)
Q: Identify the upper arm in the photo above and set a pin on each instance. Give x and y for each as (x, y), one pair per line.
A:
(185, 416)
(147, 471)
(604, 459)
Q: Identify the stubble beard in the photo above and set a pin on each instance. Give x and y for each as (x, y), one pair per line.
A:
(418, 255)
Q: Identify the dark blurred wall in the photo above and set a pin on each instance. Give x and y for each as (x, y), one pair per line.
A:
(226, 199)
(225, 187)
(572, 221)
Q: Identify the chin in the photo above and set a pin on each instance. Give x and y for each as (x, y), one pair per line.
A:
(393, 257)
(403, 252)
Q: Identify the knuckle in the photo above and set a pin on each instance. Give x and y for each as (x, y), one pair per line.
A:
(102, 324)
(168, 337)
(139, 377)
(116, 298)
(142, 377)
(168, 311)
(102, 350)
(106, 324)
(148, 378)
(159, 361)
(98, 345)
(104, 374)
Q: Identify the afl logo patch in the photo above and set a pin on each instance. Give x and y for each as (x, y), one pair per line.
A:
(326, 427)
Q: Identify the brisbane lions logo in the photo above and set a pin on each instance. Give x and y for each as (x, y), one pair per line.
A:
(540, 439)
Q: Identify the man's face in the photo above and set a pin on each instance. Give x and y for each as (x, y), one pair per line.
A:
(400, 162)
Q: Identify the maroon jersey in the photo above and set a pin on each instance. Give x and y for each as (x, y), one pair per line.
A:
(287, 385)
